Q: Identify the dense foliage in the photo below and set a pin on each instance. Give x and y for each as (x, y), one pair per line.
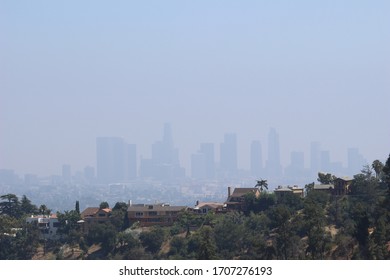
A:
(319, 226)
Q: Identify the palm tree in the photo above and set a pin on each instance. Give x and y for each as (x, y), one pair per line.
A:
(261, 184)
(377, 165)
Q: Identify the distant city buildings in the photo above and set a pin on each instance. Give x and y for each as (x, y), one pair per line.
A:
(203, 162)
(116, 161)
(228, 164)
(164, 164)
(119, 168)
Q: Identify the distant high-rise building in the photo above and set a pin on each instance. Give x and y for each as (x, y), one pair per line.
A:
(164, 164)
(131, 161)
(273, 165)
(228, 155)
(111, 160)
(202, 163)
(256, 159)
(207, 149)
(355, 161)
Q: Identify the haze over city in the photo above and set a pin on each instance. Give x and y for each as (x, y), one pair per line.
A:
(75, 71)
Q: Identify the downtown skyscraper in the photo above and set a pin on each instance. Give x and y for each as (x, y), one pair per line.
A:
(228, 156)
(115, 160)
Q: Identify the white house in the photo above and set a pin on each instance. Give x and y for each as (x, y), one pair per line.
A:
(48, 225)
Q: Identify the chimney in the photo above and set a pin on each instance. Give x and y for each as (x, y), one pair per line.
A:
(197, 203)
(229, 191)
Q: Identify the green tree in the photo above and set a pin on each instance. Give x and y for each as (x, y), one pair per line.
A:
(318, 241)
(281, 216)
(261, 184)
(178, 248)
(187, 220)
(68, 227)
(27, 207)
(207, 246)
(119, 216)
(377, 165)
(104, 205)
(230, 232)
(10, 205)
(43, 210)
(326, 178)
(77, 207)
(309, 187)
(105, 234)
(126, 241)
(153, 239)
(292, 201)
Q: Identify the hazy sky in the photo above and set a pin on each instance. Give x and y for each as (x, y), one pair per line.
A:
(71, 71)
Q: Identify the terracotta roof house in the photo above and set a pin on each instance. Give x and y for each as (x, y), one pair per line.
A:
(93, 215)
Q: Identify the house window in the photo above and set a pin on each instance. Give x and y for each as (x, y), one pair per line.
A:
(204, 210)
(56, 224)
(153, 213)
(102, 215)
(139, 214)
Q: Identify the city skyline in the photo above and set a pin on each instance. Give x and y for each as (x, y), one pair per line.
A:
(118, 160)
(71, 72)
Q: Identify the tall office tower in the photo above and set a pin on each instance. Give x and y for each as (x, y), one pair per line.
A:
(355, 161)
(66, 173)
(207, 149)
(131, 161)
(111, 160)
(163, 152)
(164, 164)
(315, 158)
(256, 159)
(273, 166)
(202, 163)
(228, 155)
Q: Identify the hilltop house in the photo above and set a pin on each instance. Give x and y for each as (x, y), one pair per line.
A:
(94, 215)
(154, 214)
(326, 188)
(341, 185)
(47, 224)
(207, 207)
(236, 200)
(282, 191)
